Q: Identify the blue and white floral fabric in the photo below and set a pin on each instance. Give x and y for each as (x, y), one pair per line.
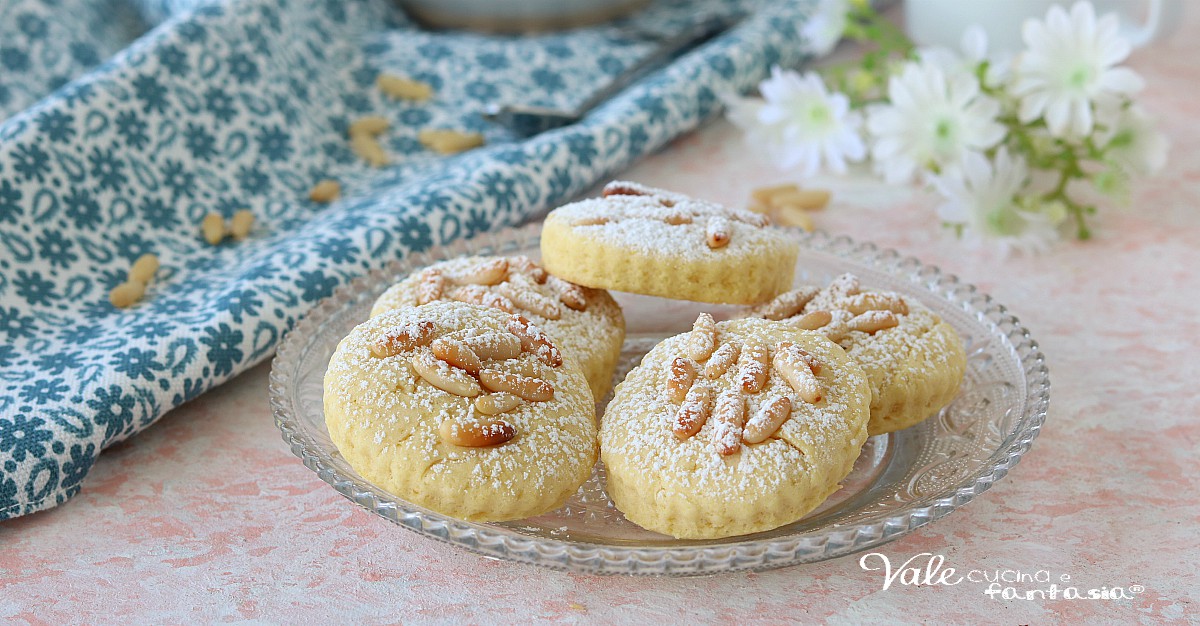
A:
(160, 111)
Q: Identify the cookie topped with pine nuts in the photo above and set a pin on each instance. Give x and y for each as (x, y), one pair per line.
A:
(659, 243)
(463, 409)
(733, 428)
(914, 360)
(586, 324)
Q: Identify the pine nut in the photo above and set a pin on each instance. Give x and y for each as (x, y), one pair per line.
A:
(497, 403)
(402, 338)
(325, 191)
(213, 228)
(532, 389)
(534, 341)
(703, 338)
(624, 188)
(678, 218)
(370, 125)
(875, 301)
(526, 265)
(143, 268)
(456, 353)
(872, 322)
(240, 224)
(729, 416)
(447, 141)
(813, 320)
(402, 88)
(476, 433)
(478, 294)
(368, 150)
(494, 346)
(766, 195)
(792, 364)
(721, 360)
(439, 374)
(718, 232)
(837, 330)
(757, 220)
(531, 301)
(126, 294)
(801, 199)
(844, 285)
(788, 215)
(490, 272)
(693, 412)
(570, 294)
(430, 286)
(680, 376)
(767, 421)
(754, 369)
(785, 305)
(598, 220)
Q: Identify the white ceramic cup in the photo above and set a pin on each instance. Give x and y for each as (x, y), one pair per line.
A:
(942, 22)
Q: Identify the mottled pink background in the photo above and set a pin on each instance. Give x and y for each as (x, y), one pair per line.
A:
(207, 517)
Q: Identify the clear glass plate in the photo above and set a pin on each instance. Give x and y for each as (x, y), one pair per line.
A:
(901, 481)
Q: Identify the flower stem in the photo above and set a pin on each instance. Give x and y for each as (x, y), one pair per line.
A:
(1070, 170)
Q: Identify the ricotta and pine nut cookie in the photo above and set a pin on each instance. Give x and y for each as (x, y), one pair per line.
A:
(733, 428)
(914, 361)
(660, 243)
(463, 409)
(586, 324)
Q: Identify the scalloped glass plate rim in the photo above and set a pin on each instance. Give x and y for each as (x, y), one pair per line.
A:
(752, 554)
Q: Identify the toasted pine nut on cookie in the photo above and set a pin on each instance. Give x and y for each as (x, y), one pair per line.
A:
(660, 243)
(586, 325)
(440, 405)
(697, 451)
(914, 361)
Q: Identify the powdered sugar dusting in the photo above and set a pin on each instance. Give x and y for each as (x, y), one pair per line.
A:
(577, 331)
(647, 225)
(907, 329)
(636, 425)
(385, 418)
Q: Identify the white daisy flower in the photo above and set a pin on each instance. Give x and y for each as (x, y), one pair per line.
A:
(825, 26)
(973, 52)
(1069, 67)
(1131, 141)
(981, 198)
(932, 121)
(799, 123)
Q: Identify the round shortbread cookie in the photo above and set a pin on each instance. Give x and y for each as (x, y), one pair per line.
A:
(728, 479)
(586, 324)
(914, 360)
(659, 243)
(396, 428)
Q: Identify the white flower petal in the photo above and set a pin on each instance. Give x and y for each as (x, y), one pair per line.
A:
(1058, 113)
(974, 43)
(935, 116)
(1122, 80)
(853, 147)
(1083, 21)
(1068, 69)
(1081, 116)
(799, 121)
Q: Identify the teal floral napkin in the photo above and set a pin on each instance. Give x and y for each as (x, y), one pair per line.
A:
(127, 121)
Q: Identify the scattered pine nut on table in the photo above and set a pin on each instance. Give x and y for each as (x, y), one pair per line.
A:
(325, 191)
(401, 88)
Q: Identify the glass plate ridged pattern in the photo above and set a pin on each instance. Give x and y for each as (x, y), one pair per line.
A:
(901, 481)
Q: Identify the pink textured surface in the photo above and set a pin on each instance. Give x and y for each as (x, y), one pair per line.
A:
(207, 517)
